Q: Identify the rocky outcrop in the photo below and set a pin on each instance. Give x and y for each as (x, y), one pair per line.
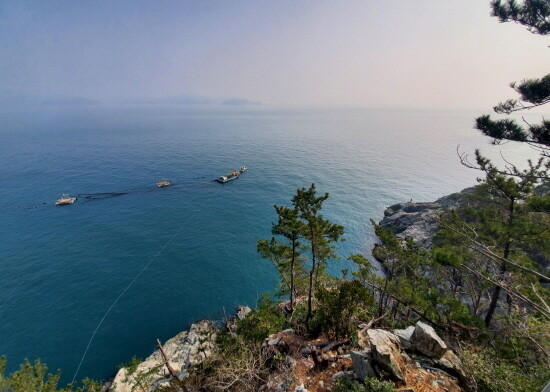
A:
(423, 363)
(415, 358)
(187, 349)
(419, 221)
(240, 314)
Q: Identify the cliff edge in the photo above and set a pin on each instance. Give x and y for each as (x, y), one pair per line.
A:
(419, 221)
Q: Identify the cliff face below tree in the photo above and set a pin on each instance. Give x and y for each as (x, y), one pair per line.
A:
(419, 221)
(414, 359)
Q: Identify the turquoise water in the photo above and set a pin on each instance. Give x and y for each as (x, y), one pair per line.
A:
(61, 268)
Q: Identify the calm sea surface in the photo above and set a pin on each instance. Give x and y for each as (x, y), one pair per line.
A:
(61, 268)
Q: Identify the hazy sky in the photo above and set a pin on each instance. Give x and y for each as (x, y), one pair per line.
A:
(423, 53)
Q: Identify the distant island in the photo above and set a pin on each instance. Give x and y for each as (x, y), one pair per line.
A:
(11, 99)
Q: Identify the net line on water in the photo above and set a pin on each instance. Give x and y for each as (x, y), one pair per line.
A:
(108, 195)
(127, 288)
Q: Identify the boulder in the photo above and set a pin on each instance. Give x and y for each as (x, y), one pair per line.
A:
(385, 348)
(187, 349)
(240, 314)
(452, 364)
(279, 342)
(404, 336)
(279, 339)
(425, 340)
(350, 375)
(361, 365)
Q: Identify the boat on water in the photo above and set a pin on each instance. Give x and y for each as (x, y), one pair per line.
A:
(65, 199)
(163, 182)
(232, 175)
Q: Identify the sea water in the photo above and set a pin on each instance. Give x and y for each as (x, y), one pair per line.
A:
(62, 268)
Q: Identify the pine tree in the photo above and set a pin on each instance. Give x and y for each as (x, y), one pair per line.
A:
(535, 15)
(289, 226)
(513, 221)
(319, 232)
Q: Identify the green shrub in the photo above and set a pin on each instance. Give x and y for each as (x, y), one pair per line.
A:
(490, 373)
(266, 319)
(337, 308)
(370, 385)
(131, 365)
(235, 365)
(35, 378)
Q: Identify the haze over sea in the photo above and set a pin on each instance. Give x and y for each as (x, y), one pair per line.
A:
(61, 268)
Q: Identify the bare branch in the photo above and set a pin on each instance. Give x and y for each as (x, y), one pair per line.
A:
(372, 322)
(464, 160)
(169, 366)
(512, 291)
(483, 249)
(540, 297)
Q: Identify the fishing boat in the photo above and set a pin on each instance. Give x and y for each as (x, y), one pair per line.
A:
(163, 182)
(65, 199)
(232, 175)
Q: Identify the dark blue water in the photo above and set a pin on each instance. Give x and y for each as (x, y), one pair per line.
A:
(61, 268)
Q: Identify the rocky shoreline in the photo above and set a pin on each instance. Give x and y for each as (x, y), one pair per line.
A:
(419, 221)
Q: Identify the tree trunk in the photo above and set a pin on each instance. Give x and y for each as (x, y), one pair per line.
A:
(292, 275)
(170, 368)
(496, 290)
(494, 297)
(311, 273)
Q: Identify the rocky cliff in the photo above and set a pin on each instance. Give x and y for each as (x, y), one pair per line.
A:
(415, 358)
(419, 221)
(183, 351)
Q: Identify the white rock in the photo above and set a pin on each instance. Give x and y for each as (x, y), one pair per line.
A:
(404, 336)
(242, 312)
(425, 340)
(187, 349)
(386, 351)
(350, 375)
